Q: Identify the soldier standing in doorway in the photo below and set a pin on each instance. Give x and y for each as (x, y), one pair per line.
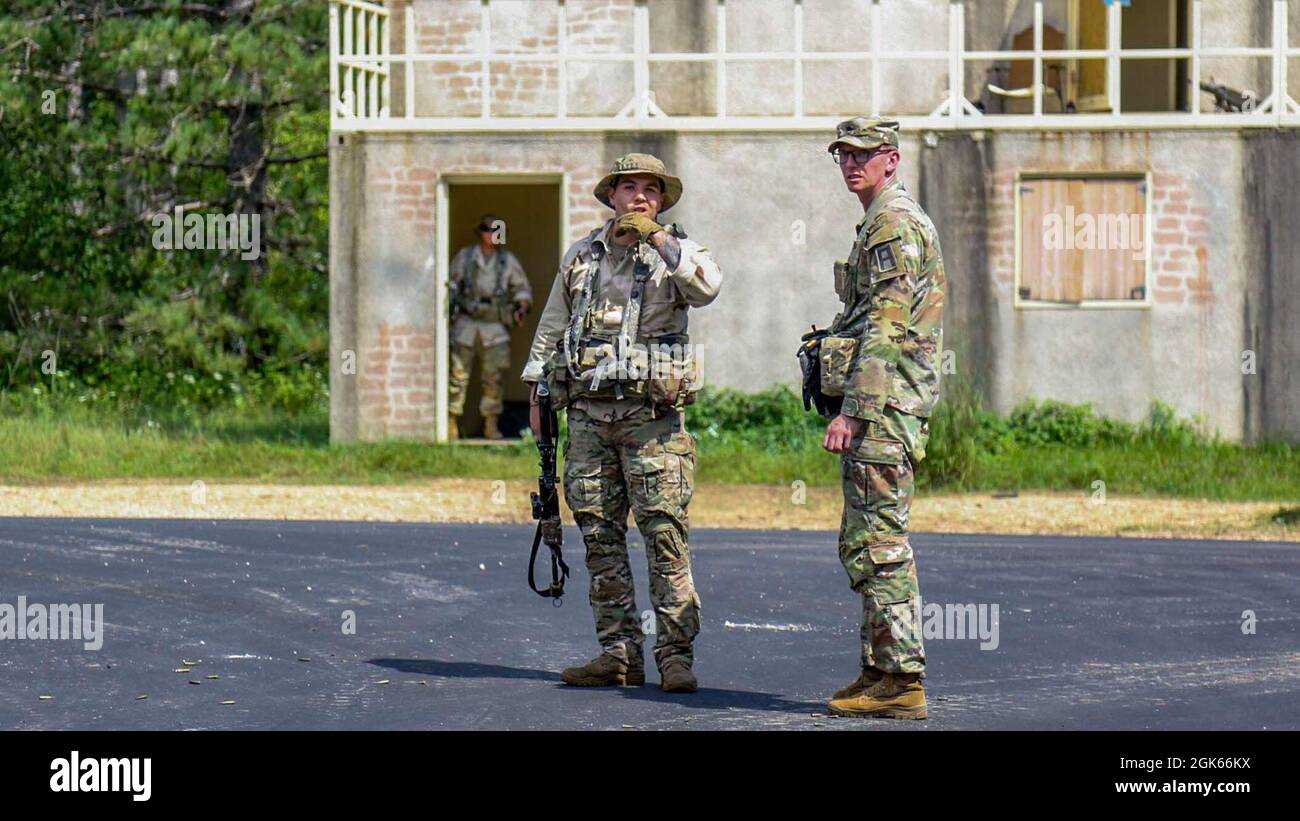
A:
(629, 282)
(489, 295)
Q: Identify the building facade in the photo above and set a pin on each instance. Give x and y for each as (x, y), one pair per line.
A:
(1113, 232)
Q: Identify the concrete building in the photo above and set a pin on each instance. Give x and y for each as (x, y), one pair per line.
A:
(1109, 235)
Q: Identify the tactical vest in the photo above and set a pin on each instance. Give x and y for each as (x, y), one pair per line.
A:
(491, 308)
(596, 361)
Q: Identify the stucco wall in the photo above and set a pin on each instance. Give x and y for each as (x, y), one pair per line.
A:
(773, 209)
(775, 213)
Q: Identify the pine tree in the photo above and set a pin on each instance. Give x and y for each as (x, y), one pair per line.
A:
(113, 112)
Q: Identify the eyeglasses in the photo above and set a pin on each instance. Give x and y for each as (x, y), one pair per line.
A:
(860, 155)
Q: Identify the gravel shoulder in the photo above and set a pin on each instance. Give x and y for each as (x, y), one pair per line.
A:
(731, 506)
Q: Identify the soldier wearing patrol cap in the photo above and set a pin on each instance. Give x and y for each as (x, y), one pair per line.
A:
(882, 358)
(612, 348)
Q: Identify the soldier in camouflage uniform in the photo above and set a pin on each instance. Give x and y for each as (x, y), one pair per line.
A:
(883, 355)
(630, 280)
(490, 294)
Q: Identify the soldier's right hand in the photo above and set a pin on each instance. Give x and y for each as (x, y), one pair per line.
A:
(534, 413)
(637, 224)
(840, 433)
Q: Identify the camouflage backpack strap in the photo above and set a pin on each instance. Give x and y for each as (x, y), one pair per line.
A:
(632, 317)
(501, 269)
(586, 266)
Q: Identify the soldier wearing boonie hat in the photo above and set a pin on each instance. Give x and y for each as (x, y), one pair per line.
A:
(880, 364)
(628, 284)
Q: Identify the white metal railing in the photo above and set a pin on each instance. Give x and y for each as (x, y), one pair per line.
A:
(360, 66)
(359, 78)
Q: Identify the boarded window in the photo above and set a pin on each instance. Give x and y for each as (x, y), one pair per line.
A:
(1082, 239)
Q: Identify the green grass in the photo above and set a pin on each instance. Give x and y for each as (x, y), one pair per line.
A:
(80, 445)
(763, 438)
(1219, 472)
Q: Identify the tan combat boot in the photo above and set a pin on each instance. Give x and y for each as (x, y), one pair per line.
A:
(868, 677)
(896, 695)
(453, 427)
(677, 676)
(606, 671)
(490, 429)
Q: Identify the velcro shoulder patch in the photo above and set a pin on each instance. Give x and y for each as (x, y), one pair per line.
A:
(885, 259)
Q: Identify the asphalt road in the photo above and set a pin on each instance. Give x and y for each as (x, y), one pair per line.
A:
(1091, 633)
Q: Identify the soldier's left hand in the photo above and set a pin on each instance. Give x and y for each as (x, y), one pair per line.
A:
(522, 307)
(636, 223)
(840, 433)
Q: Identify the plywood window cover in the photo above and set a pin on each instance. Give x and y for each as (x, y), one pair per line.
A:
(1148, 298)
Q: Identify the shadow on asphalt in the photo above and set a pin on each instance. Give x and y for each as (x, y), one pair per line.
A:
(463, 669)
(706, 698)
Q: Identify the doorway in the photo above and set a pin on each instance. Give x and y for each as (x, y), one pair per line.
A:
(533, 208)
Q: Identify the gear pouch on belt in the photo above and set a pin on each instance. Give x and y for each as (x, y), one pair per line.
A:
(674, 375)
(836, 361)
(557, 382)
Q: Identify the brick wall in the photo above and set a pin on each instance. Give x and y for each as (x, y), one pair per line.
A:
(1180, 239)
(396, 381)
(1179, 236)
(408, 192)
(1182, 350)
(521, 27)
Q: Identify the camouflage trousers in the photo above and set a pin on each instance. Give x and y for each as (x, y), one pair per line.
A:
(874, 549)
(496, 358)
(615, 460)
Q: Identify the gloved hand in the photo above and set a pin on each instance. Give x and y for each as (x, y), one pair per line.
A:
(636, 223)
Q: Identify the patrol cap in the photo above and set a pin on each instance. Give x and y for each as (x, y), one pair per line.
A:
(866, 132)
(630, 164)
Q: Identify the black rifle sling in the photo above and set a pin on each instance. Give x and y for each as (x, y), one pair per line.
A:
(546, 444)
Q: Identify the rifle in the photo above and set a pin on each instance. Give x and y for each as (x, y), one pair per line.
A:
(546, 502)
(1227, 98)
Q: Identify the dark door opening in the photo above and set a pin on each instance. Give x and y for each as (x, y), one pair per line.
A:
(531, 212)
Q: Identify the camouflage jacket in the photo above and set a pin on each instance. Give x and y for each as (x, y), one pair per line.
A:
(892, 288)
(669, 293)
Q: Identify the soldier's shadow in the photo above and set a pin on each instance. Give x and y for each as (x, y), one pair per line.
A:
(706, 698)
